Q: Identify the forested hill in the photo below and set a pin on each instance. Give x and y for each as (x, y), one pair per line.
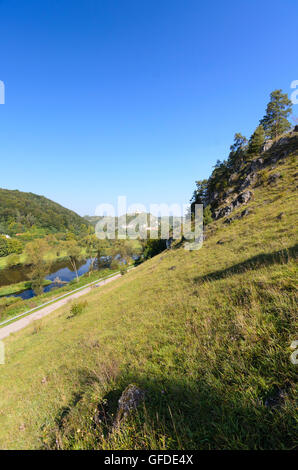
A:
(21, 211)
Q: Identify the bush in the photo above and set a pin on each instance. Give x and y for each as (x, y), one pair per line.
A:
(13, 260)
(154, 247)
(9, 246)
(77, 308)
(114, 265)
(123, 269)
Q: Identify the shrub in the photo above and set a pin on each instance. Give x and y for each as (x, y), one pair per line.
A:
(262, 177)
(154, 247)
(114, 265)
(123, 269)
(77, 308)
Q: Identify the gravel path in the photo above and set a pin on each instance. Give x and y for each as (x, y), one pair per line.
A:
(23, 322)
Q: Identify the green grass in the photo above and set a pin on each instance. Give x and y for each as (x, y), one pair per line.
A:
(209, 342)
(51, 256)
(19, 287)
(9, 307)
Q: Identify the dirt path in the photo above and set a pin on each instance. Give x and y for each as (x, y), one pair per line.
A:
(23, 322)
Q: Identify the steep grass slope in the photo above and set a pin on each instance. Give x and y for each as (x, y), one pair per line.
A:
(206, 334)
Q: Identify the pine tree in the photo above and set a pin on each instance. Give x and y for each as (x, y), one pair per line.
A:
(278, 109)
(237, 152)
(256, 141)
(207, 215)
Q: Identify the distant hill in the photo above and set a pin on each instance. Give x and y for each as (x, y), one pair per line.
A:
(20, 211)
(152, 220)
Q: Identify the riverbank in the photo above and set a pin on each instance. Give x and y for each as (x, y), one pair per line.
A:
(9, 307)
(51, 256)
(29, 317)
(19, 287)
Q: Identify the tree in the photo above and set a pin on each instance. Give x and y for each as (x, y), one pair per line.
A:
(123, 250)
(200, 194)
(154, 247)
(207, 215)
(237, 152)
(74, 255)
(3, 246)
(256, 141)
(275, 121)
(35, 253)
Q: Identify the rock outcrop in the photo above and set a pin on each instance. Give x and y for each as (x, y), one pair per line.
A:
(130, 399)
(242, 198)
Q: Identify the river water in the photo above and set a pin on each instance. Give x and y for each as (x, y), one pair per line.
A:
(59, 269)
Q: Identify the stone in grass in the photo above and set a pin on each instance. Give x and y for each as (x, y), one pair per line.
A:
(130, 399)
(273, 178)
(277, 399)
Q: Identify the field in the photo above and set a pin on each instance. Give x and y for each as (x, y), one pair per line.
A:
(51, 256)
(206, 334)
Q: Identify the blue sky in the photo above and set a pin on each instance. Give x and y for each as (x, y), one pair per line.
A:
(134, 97)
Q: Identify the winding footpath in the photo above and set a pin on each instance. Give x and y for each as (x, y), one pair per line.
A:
(23, 322)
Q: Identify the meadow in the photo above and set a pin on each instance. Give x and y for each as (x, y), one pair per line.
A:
(206, 334)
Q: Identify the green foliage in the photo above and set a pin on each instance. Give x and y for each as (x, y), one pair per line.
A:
(275, 121)
(237, 151)
(199, 194)
(74, 254)
(114, 264)
(21, 211)
(123, 269)
(154, 247)
(209, 342)
(218, 181)
(77, 308)
(272, 125)
(9, 246)
(256, 141)
(35, 253)
(207, 215)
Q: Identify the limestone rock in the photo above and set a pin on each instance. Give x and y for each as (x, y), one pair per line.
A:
(250, 179)
(256, 164)
(129, 401)
(267, 145)
(233, 177)
(242, 198)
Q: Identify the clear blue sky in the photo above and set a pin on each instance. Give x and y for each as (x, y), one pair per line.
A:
(134, 97)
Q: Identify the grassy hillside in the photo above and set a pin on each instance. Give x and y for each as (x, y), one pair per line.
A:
(20, 211)
(206, 334)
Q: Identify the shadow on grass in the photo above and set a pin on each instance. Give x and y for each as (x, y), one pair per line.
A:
(258, 261)
(184, 414)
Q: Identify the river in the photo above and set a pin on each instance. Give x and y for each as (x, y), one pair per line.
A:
(61, 270)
